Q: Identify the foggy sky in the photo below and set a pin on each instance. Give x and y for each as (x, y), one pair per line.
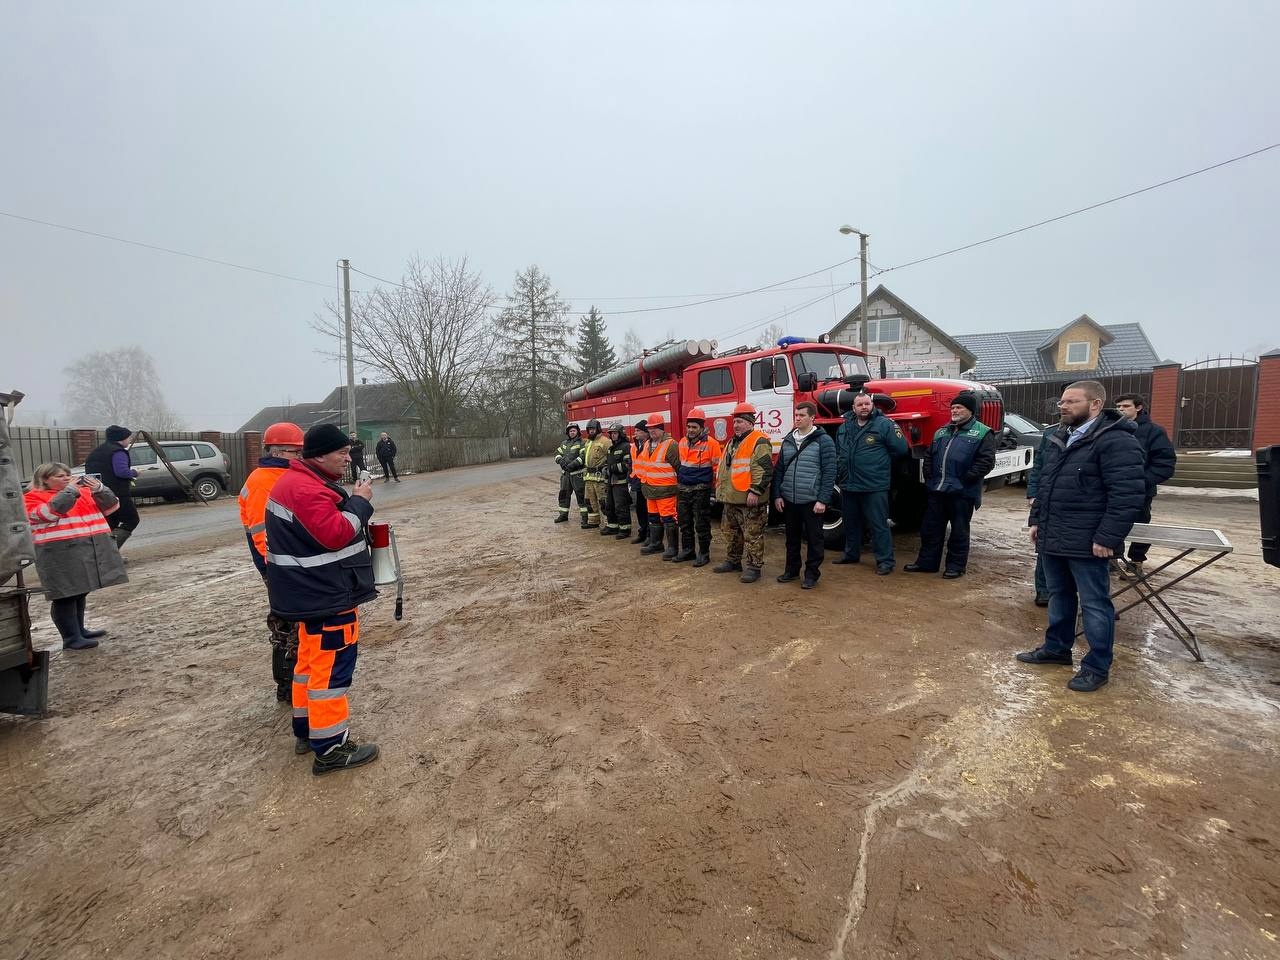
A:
(632, 151)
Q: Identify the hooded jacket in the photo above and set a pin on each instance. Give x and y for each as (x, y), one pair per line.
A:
(1089, 492)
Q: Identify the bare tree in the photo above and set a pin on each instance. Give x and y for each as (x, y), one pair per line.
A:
(770, 336)
(117, 386)
(632, 345)
(431, 335)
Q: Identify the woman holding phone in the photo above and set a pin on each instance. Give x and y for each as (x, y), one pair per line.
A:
(75, 553)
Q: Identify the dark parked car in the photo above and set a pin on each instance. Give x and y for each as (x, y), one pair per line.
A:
(1021, 431)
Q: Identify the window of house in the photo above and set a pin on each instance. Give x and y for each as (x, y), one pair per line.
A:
(1078, 352)
(762, 369)
(925, 372)
(884, 330)
(715, 382)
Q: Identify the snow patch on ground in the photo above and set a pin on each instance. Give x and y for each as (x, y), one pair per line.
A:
(1214, 492)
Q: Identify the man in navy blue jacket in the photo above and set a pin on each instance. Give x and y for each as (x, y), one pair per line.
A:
(962, 454)
(1161, 459)
(1091, 490)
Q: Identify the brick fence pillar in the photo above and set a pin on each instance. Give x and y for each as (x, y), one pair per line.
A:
(82, 444)
(212, 436)
(1165, 397)
(1266, 415)
(252, 448)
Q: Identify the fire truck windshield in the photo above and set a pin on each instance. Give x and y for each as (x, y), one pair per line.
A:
(829, 365)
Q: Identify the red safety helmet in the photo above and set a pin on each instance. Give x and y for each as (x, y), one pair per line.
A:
(655, 420)
(745, 410)
(282, 435)
(697, 413)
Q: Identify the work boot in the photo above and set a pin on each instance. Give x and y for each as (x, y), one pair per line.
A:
(301, 745)
(623, 535)
(69, 629)
(78, 642)
(284, 694)
(1086, 681)
(344, 756)
(641, 536)
(607, 531)
(564, 519)
(750, 575)
(683, 555)
(672, 533)
(654, 544)
(701, 559)
(727, 566)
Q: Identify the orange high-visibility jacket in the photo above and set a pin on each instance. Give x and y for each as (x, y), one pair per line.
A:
(656, 467)
(253, 507)
(740, 468)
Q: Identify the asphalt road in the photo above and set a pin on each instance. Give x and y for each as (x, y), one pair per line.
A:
(166, 524)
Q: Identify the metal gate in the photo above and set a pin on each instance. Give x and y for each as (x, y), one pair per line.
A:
(1217, 401)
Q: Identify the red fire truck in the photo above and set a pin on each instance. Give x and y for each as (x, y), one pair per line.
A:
(677, 376)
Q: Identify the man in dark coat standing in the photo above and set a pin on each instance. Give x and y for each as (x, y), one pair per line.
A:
(962, 454)
(110, 461)
(357, 456)
(386, 452)
(866, 444)
(1091, 490)
(1161, 459)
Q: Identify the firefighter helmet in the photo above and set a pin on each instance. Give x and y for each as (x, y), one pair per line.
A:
(282, 434)
(745, 411)
(572, 426)
(615, 427)
(698, 414)
(654, 420)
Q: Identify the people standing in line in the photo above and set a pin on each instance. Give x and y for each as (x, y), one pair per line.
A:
(657, 467)
(110, 462)
(570, 458)
(866, 445)
(1161, 460)
(961, 456)
(1091, 490)
(1033, 486)
(742, 487)
(638, 444)
(595, 456)
(319, 571)
(75, 552)
(282, 444)
(803, 486)
(385, 451)
(618, 471)
(695, 480)
(357, 456)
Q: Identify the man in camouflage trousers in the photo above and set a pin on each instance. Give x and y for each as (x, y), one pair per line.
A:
(742, 486)
(570, 459)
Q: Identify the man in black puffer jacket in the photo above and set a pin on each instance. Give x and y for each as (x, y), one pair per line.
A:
(1161, 459)
(1091, 490)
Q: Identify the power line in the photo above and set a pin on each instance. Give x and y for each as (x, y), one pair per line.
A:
(176, 253)
(1092, 206)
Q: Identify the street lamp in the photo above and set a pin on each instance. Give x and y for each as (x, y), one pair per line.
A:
(862, 326)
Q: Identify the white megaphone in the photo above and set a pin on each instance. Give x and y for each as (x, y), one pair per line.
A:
(386, 561)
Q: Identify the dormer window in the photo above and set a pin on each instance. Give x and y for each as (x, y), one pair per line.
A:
(1078, 352)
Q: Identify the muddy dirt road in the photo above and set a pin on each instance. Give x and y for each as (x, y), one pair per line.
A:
(592, 754)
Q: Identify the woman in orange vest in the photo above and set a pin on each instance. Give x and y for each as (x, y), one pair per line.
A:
(657, 467)
(75, 554)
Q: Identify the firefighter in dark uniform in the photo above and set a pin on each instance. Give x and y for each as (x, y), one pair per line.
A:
(571, 457)
(637, 489)
(618, 478)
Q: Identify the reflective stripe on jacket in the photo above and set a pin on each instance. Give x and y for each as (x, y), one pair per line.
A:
(253, 502)
(699, 461)
(657, 469)
(84, 518)
(740, 467)
(318, 560)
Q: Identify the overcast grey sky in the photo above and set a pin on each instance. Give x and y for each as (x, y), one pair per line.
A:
(631, 150)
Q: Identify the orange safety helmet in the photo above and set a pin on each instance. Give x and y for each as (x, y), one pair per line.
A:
(697, 413)
(745, 410)
(655, 420)
(282, 435)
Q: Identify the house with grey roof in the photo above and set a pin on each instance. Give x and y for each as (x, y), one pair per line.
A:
(1082, 347)
(379, 406)
(910, 343)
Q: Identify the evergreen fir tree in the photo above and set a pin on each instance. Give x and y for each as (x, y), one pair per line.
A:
(594, 353)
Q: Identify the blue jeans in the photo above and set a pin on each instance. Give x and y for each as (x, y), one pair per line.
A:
(1080, 583)
(1042, 585)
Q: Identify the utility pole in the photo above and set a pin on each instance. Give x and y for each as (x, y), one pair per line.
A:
(862, 328)
(351, 363)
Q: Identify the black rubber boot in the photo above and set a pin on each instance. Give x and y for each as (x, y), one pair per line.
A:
(727, 566)
(672, 533)
(623, 535)
(642, 536)
(654, 545)
(750, 575)
(701, 559)
(683, 555)
(63, 615)
(85, 631)
(564, 519)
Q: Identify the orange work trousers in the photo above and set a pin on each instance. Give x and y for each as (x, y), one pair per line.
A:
(322, 677)
(663, 506)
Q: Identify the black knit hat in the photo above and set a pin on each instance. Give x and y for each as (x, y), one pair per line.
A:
(966, 398)
(642, 425)
(323, 438)
(116, 433)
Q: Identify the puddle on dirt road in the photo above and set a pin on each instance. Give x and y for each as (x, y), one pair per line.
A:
(1235, 682)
